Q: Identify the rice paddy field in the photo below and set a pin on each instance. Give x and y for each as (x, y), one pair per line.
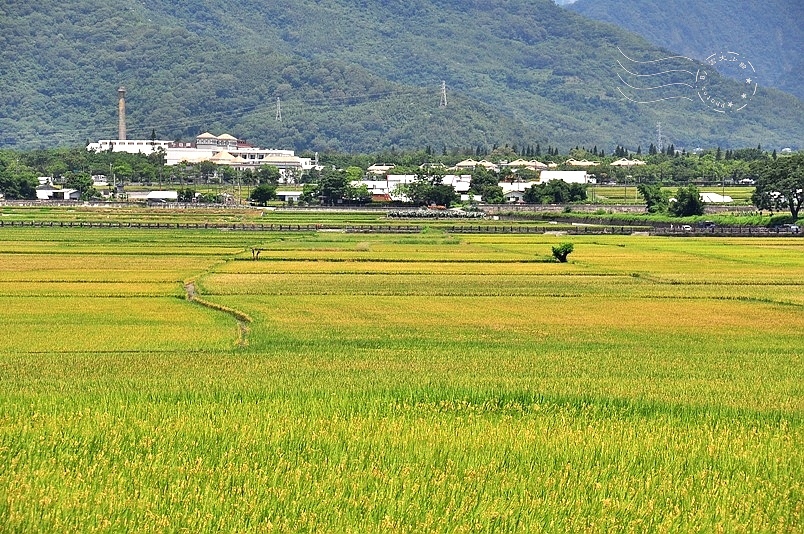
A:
(399, 383)
(628, 194)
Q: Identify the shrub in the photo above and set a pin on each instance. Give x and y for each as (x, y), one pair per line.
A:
(778, 220)
(560, 252)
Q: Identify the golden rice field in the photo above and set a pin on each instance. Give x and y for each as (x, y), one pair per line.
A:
(399, 383)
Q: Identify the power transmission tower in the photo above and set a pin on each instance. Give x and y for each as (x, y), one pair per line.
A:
(443, 94)
(659, 144)
(278, 110)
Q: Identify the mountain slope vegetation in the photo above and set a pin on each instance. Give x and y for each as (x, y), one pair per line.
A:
(768, 32)
(349, 76)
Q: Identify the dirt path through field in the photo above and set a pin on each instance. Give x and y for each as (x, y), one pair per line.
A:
(242, 319)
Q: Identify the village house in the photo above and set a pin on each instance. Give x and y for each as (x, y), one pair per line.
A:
(50, 192)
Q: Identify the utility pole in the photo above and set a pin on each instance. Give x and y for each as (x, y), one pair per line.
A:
(443, 103)
(278, 110)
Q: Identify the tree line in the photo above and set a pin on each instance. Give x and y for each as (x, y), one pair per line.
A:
(778, 179)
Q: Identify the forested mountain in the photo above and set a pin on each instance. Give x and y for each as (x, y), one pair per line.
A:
(349, 75)
(770, 32)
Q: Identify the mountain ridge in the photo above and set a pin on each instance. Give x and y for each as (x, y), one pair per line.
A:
(348, 78)
(768, 32)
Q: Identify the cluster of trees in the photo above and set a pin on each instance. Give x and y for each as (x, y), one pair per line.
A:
(779, 187)
(779, 179)
(17, 181)
(486, 184)
(73, 168)
(555, 192)
(429, 189)
(687, 201)
(709, 167)
(331, 187)
(714, 166)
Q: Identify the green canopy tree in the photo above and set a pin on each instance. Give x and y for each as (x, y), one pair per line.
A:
(354, 173)
(332, 186)
(309, 193)
(263, 193)
(207, 170)
(655, 198)
(358, 193)
(17, 182)
(561, 251)
(492, 194)
(555, 192)
(185, 194)
(228, 174)
(428, 189)
(81, 182)
(688, 202)
(780, 185)
(482, 178)
(122, 171)
(268, 174)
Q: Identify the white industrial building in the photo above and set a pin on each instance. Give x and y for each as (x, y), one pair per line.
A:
(222, 149)
(388, 189)
(571, 177)
(714, 198)
(513, 191)
(50, 192)
(625, 162)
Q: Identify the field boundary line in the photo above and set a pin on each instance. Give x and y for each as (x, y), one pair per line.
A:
(242, 318)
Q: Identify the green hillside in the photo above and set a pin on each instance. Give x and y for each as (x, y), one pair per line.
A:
(769, 32)
(350, 76)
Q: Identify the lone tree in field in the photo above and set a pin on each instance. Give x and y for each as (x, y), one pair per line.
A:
(560, 252)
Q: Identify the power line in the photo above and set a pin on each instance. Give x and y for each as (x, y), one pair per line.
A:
(326, 101)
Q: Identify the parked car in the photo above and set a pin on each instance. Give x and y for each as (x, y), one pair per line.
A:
(686, 227)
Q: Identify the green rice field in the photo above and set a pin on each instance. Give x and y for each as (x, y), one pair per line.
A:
(399, 383)
(628, 194)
